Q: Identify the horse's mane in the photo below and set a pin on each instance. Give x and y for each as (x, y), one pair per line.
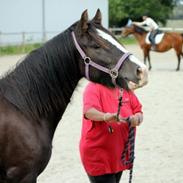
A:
(139, 29)
(45, 80)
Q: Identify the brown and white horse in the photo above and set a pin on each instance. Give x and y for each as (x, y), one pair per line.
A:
(170, 40)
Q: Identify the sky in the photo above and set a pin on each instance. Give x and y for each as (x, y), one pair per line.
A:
(23, 15)
(26, 15)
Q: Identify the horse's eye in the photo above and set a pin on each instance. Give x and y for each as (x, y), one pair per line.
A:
(96, 46)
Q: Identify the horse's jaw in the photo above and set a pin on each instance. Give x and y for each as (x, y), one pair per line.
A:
(134, 86)
(141, 83)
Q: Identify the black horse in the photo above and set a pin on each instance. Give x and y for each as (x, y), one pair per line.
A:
(34, 95)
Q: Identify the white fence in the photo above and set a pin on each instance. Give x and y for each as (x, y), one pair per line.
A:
(21, 38)
(117, 30)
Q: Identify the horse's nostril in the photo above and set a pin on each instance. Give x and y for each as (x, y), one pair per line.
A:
(139, 72)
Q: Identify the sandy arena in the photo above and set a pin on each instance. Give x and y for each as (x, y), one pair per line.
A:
(159, 145)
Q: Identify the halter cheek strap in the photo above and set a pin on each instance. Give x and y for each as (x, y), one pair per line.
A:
(87, 60)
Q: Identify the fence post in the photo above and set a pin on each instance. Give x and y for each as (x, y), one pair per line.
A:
(0, 38)
(23, 38)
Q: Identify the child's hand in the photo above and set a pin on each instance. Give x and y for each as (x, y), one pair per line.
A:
(136, 119)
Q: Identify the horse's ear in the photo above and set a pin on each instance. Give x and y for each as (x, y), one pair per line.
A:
(83, 23)
(98, 17)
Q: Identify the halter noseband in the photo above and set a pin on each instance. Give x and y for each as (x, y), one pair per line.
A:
(87, 60)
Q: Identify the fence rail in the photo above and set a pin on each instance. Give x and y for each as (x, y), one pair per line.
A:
(21, 38)
(117, 30)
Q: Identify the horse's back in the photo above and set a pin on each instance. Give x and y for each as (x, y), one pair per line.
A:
(173, 36)
(175, 39)
(22, 142)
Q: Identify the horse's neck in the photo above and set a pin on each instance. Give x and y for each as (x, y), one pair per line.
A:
(54, 118)
(140, 37)
(69, 77)
(41, 86)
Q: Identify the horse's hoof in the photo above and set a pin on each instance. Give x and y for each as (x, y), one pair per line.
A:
(150, 68)
(177, 69)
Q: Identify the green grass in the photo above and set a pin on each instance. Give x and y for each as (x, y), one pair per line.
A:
(19, 49)
(127, 40)
(23, 49)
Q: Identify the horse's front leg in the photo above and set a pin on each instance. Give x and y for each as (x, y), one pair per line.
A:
(147, 57)
(144, 59)
(149, 60)
(178, 65)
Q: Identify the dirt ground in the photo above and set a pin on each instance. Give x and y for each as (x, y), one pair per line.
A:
(159, 146)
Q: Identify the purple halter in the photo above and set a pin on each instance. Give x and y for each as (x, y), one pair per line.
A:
(87, 60)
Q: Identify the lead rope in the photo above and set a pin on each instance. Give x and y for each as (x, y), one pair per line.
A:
(120, 103)
(130, 144)
(129, 149)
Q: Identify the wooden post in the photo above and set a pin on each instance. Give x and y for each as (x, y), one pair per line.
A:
(23, 38)
(1, 38)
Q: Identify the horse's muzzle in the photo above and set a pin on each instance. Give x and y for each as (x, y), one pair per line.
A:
(142, 75)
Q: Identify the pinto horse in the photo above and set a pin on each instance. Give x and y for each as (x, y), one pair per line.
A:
(170, 40)
(35, 93)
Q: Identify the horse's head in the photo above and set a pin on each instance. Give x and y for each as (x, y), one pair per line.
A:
(103, 58)
(127, 30)
(132, 29)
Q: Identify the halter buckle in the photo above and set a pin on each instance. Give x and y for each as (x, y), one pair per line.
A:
(113, 73)
(87, 60)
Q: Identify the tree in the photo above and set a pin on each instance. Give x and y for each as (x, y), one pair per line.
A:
(120, 10)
